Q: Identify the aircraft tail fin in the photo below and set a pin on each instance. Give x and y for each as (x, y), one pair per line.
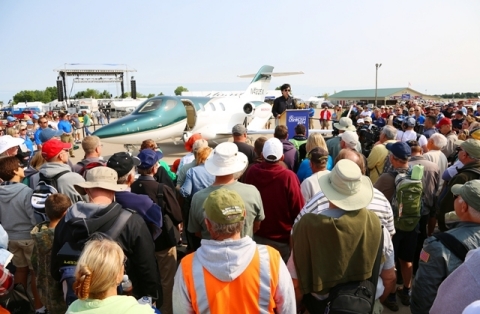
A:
(258, 88)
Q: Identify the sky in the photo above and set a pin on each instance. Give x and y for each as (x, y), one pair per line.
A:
(433, 45)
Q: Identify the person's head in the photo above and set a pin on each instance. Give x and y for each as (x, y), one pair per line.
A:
(360, 122)
(192, 139)
(300, 129)
(417, 110)
(467, 200)
(318, 159)
(367, 120)
(56, 206)
(349, 140)
(281, 132)
(201, 143)
(346, 187)
(56, 151)
(468, 151)
(436, 141)
(445, 126)
(9, 145)
(13, 132)
(352, 155)
(388, 133)
(148, 144)
(226, 160)
(11, 169)
(49, 133)
(100, 185)
(315, 140)
(258, 145)
(415, 147)
(99, 269)
(468, 121)
(224, 214)
(398, 111)
(411, 111)
(344, 124)
(37, 160)
(124, 165)
(286, 90)
(92, 146)
(272, 150)
(202, 155)
(409, 123)
(149, 162)
(400, 154)
(459, 115)
(378, 112)
(239, 133)
(430, 122)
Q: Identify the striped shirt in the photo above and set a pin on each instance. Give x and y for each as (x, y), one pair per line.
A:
(379, 205)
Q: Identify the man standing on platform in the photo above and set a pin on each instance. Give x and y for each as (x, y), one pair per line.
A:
(283, 103)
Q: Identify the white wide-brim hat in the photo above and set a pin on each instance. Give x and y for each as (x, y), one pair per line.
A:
(345, 124)
(346, 187)
(225, 159)
(7, 142)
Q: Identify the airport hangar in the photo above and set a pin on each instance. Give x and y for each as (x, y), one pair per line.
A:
(385, 96)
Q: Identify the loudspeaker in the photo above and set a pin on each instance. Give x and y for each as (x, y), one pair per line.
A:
(133, 89)
(60, 95)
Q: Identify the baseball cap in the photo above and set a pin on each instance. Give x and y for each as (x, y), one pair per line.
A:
(239, 129)
(47, 134)
(470, 192)
(360, 121)
(53, 147)
(7, 142)
(317, 154)
(471, 146)
(350, 138)
(29, 122)
(410, 122)
(367, 119)
(272, 149)
(100, 177)
(224, 207)
(400, 150)
(11, 119)
(148, 158)
(199, 144)
(192, 139)
(444, 121)
(122, 163)
(35, 116)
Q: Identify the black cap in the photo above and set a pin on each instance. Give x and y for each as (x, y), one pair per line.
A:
(122, 163)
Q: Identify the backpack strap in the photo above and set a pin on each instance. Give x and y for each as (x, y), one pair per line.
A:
(53, 180)
(376, 265)
(119, 223)
(457, 247)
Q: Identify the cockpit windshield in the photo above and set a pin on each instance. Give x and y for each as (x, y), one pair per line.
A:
(149, 105)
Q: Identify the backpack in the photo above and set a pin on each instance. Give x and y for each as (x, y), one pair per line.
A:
(349, 297)
(45, 188)
(171, 214)
(87, 165)
(407, 200)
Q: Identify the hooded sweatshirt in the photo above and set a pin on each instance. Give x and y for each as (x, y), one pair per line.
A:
(118, 304)
(281, 196)
(65, 183)
(83, 219)
(226, 260)
(290, 154)
(16, 211)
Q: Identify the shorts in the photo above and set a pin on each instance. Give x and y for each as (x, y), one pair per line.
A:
(404, 244)
(78, 131)
(22, 252)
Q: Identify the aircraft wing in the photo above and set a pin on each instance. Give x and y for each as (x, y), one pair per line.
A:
(270, 131)
(273, 74)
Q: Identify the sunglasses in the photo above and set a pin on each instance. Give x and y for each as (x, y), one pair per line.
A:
(287, 90)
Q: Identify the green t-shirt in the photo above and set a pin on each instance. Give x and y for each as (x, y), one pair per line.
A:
(253, 205)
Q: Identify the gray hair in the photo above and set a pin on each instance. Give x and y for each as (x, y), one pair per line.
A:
(438, 140)
(225, 230)
(390, 132)
(123, 179)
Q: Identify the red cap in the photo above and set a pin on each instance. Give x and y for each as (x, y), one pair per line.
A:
(174, 167)
(53, 147)
(191, 140)
(444, 121)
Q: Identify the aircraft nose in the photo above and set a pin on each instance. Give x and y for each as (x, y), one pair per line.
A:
(127, 125)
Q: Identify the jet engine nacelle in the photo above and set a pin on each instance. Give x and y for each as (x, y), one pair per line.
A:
(258, 109)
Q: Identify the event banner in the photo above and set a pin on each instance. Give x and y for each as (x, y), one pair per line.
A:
(295, 117)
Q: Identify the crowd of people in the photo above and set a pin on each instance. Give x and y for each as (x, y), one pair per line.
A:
(280, 225)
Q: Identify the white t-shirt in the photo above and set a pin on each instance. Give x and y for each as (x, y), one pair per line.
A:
(310, 185)
(53, 124)
(411, 135)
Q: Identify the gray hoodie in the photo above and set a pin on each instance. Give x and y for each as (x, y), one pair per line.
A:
(226, 260)
(16, 211)
(65, 182)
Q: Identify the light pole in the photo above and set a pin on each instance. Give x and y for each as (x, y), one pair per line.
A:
(377, 65)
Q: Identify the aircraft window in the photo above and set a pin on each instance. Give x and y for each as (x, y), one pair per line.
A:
(212, 106)
(222, 106)
(150, 106)
(170, 104)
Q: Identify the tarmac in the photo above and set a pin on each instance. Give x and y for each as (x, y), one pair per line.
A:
(172, 152)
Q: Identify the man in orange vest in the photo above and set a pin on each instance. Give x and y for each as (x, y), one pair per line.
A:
(230, 274)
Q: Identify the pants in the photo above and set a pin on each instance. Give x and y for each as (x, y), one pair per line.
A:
(167, 266)
(282, 248)
(68, 138)
(87, 131)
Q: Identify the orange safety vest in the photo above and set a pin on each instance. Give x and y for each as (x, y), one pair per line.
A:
(251, 292)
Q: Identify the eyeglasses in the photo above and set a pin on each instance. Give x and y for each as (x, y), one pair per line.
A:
(417, 110)
(287, 90)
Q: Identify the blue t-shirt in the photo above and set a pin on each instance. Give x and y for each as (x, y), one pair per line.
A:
(65, 126)
(420, 120)
(304, 170)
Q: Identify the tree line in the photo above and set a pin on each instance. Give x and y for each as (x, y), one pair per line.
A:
(468, 95)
